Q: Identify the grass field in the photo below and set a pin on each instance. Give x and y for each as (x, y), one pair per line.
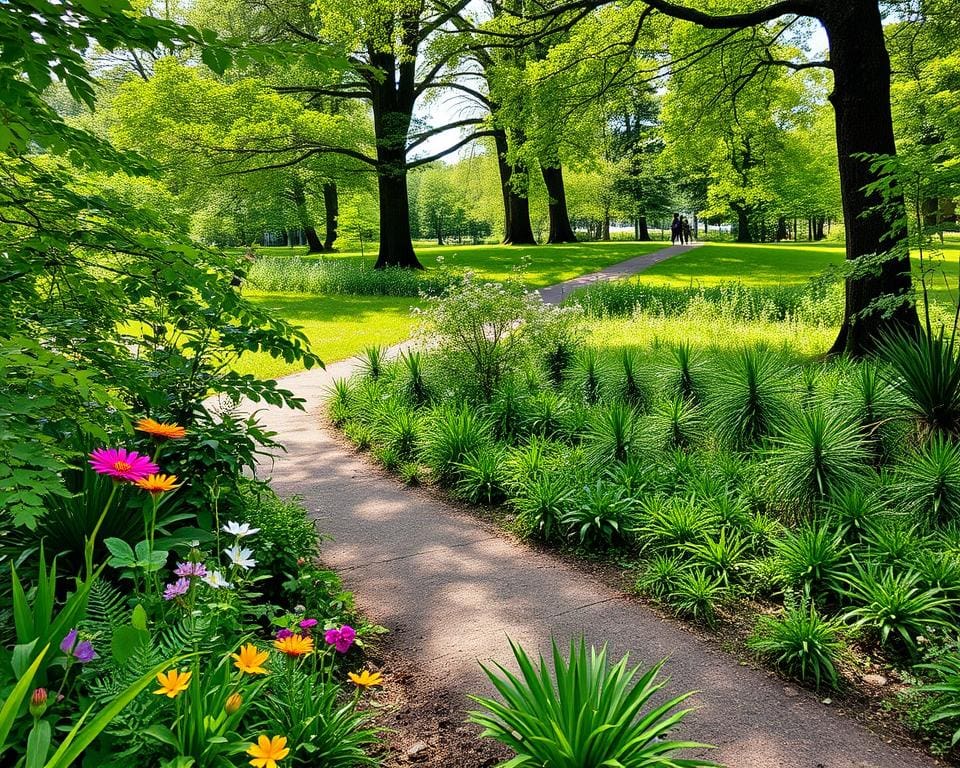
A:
(337, 326)
(542, 265)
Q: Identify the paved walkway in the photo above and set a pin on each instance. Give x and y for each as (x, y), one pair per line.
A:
(452, 589)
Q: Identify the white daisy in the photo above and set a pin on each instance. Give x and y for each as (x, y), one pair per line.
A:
(216, 580)
(239, 529)
(240, 557)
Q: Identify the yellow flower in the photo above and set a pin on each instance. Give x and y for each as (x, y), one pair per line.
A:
(294, 645)
(250, 660)
(161, 429)
(365, 679)
(234, 702)
(267, 751)
(173, 683)
(158, 483)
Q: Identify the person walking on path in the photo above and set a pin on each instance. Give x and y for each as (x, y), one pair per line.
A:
(685, 230)
(676, 230)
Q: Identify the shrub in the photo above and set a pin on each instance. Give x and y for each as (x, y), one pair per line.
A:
(540, 504)
(399, 429)
(629, 383)
(720, 556)
(387, 456)
(341, 401)
(480, 475)
(925, 371)
(507, 410)
(939, 571)
(945, 684)
(343, 276)
(676, 522)
(659, 576)
(413, 386)
(816, 454)
(545, 413)
(891, 542)
(587, 377)
(697, 595)
(546, 723)
(611, 435)
(372, 361)
(868, 399)
(600, 514)
(556, 335)
(682, 376)
(675, 424)
(812, 557)
(893, 602)
(450, 435)
(411, 473)
(801, 642)
(852, 512)
(750, 397)
(926, 484)
(358, 434)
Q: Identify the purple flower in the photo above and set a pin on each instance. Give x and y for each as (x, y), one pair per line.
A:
(342, 638)
(177, 589)
(191, 570)
(82, 651)
(308, 623)
(283, 634)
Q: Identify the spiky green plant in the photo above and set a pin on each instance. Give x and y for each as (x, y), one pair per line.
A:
(697, 595)
(413, 383)
(450, 434)
(816, 454)
(480, 475)
(659, 576)
(545, 413)
(546, 723)
(507, 410)
(599, 515)
(852, 511)
(675, 424)
(540, 504)
(682, 375)
(629, 382)
(674, 522)
(588, 375)
(926, 484)
(944, 683)
(801, 642)
(722, 555)
(372, 361)
(611, 435)
(750, 397)
(812, 557)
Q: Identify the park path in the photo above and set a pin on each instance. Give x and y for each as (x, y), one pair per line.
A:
(451, 589)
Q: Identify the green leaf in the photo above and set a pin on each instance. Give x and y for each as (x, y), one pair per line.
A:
(10, 708)
(139, 618)
(38, 744)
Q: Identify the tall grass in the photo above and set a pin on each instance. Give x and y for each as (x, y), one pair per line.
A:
(343, 276)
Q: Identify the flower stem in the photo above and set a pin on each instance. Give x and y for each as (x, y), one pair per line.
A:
(92, 538)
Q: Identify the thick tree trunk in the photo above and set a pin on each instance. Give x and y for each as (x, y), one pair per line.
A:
(396, 243)
(299, 196)
(644, 230)
(743, 224)
(516, 206)
(560, 229)
(861, 100)
(331, 205)
(781, 229)
(605, 234)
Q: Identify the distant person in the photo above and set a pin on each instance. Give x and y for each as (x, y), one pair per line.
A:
(685, 230)
(676, 229)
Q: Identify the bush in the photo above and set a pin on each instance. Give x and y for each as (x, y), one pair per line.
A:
(750, 397)
(480, 476)
(540, 504)
(398, 428)
(507, 410)
(587, 376)
(945, 685)
(676, 522)
(894, 604)
(812, 557)
(697, 595)
(600, 514)
(675, 424)
(683, 375)
(449, 436)
(414, 386)
(372, 361)
(720, 556)
(343, 276)
(546, 723)
(629, 383)
(815, 455)
(659, 576)
(852, 512)
(801, 642)
(926, 484)
(611, 435)
(545, 414)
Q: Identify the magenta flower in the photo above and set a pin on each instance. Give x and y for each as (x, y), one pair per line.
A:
(121, 464)
(191, 570)
(308, 623)
(82, 651)
(177, 589)
(342, 638)
(283, 634)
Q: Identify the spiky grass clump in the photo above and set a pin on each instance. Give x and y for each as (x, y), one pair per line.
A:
(750, 397)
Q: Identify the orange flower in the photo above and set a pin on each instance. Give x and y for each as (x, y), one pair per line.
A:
(267, 751)
(161, 430)
(158, 484)
(294, 645)
(173, 683)
(365, 679)
(234, 702)
(250, 660)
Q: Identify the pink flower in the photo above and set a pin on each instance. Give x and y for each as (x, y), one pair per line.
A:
(342, 638)
(177, 589)
(308, 623)
(122, 464)
(191, 570)
(283, 634)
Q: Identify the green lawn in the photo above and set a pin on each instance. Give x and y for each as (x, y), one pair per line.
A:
(337, 326)
(542, 265)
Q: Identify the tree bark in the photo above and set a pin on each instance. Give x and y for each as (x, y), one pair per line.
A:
(516, 206)
(644, 230)
(331, 206)
(861, 100)
(743, 224)
(299, 197)
(560, 229)
(605, 233)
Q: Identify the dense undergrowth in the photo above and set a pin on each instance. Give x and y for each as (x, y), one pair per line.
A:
(730, 476)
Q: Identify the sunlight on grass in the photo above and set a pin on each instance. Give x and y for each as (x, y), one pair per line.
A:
(337, 326)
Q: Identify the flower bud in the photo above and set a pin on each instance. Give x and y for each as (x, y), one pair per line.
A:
(233, 703)
(38, 702)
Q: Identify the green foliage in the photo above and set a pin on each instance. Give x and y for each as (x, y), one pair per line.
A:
(697, 595)
(658, 578)
(926, 484)
(674, 424)
(683, 374)
(611, 435)
(372, 361)
(801, 642)
(343, 275)
(749, 398)
(722, 556)
(450, 435)
(816, 454)
(545, 723)
(540, 504)
(945, 685)
(676, 522)
(812, 557)
(599, 514)
(480, 475)
(893, 603)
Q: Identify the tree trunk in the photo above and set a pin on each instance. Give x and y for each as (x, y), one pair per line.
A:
(861, 100)
(605, 235)
(299, 197)
(743, 224)
(560, 229)
(644, 230)
(516, 206)
(331, 206)
(781, 229)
